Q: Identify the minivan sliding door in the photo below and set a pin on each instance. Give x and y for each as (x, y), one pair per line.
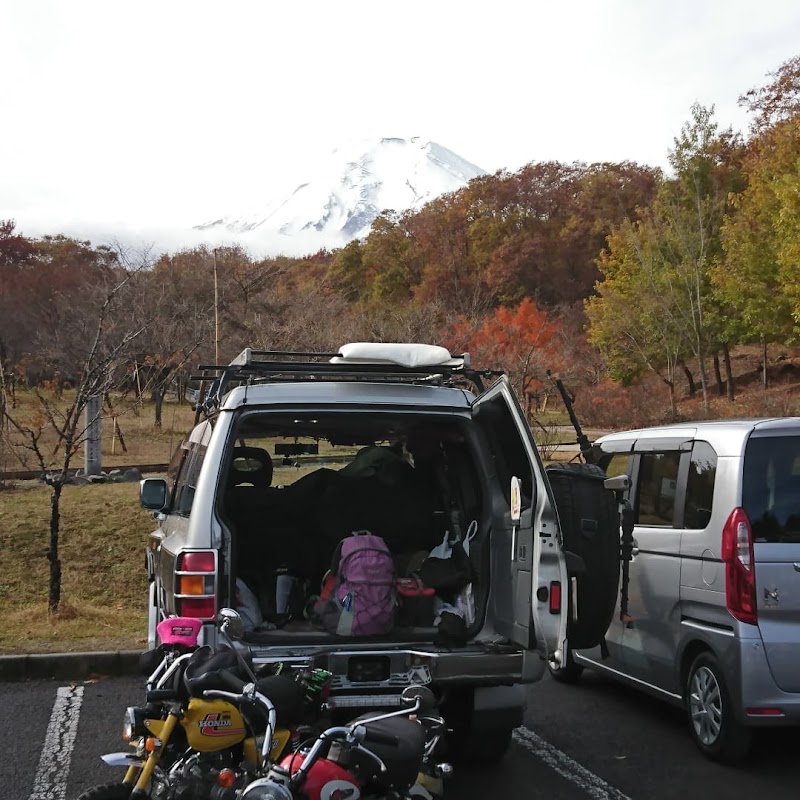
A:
(652, 626)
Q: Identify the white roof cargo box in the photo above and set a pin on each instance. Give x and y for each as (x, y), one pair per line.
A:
(403, 354)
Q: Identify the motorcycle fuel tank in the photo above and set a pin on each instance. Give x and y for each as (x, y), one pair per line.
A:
(212, 725)
(326, 780)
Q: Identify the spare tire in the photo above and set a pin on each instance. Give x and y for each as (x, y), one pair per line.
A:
(590, 526)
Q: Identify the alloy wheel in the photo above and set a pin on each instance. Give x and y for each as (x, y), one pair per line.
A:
(705, 705)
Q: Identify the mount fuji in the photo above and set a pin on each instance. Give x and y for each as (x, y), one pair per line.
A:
(347, 192)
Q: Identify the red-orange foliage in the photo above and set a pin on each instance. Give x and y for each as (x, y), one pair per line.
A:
(520, 339)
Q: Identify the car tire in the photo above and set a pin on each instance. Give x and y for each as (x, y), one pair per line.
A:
(569, 672)
(590, 527)
(713, 723)
(468, 743)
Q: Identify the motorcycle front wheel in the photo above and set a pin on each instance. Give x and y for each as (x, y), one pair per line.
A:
(108, 791)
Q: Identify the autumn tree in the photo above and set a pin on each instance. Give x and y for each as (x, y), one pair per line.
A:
(519, 339)
(658, 271)
(632, 318)
(760, 276)
(94, 326)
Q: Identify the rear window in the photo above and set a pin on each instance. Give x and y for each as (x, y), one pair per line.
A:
(771, 488)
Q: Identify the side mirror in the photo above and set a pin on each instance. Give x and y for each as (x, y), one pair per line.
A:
(231, 624)
(427, 699)
(516, 500)
(619, 483)
(153, 494)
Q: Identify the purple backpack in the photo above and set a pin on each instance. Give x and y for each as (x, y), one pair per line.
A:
(363, 599)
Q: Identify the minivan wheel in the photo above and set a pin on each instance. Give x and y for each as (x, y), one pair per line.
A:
(712, 715)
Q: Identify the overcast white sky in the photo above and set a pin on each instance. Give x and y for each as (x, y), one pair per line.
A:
(117, 117)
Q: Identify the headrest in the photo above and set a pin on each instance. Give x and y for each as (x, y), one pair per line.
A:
(250, 465)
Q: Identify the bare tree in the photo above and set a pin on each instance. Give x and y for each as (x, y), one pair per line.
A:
(92, 323)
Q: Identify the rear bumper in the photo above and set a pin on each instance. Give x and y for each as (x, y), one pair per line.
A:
(361, 672)
(748, 677)
(758, 689)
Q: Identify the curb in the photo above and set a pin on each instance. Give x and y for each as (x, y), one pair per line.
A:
(69, 666)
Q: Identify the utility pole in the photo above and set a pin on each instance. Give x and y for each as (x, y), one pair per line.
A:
(216, 311)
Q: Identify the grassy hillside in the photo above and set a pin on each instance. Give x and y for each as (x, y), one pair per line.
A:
(104, 585)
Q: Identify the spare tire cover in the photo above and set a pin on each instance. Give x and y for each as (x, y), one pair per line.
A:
(590, 527)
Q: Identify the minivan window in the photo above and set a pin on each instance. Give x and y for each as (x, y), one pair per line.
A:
(700, 486)
(658, 476)
(616, 465)
(771, 488)
(510, 457)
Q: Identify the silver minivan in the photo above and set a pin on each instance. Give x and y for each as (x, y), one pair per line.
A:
(709, 617)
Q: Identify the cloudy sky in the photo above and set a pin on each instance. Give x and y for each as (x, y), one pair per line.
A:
(131, 117)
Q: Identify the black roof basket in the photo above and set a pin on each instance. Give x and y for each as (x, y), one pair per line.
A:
(271, 366)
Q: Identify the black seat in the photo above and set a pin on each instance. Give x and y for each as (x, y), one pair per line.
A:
(251, 466)
(402, 759)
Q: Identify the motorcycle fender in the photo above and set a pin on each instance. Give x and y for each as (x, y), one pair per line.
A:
(123, 760)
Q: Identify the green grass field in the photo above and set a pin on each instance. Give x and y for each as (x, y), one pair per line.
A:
(104, 584)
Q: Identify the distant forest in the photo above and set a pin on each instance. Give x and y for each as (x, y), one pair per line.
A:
(606, 274)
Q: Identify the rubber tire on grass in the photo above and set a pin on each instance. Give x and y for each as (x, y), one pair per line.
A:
(589, 518)
(568, 673)
(108, 791)
(732, 742)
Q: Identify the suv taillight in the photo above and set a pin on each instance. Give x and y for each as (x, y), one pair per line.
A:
(196, 584)
(740, 579)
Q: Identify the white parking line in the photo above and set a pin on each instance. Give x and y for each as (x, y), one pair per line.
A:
(50, 782)
(567, 767)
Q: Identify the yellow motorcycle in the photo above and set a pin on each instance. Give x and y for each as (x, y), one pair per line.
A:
(209, 726)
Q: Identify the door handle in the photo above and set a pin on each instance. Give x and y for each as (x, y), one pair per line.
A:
(796, 566)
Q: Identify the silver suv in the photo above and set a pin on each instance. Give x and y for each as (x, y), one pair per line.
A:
(263, 489)
(712, 605)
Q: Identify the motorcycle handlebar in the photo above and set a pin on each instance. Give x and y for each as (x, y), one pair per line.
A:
(232, 681)
(246, 693)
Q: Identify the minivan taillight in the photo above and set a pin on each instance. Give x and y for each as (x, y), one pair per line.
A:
(196, 584)
(740, 579)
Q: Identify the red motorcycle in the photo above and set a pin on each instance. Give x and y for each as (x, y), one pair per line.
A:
(377, 757)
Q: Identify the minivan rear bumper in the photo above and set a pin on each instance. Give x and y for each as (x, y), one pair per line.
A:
(760, 698)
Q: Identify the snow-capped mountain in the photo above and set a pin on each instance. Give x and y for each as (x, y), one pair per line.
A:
(348, 191)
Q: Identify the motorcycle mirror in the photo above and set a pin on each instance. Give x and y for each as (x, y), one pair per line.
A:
(231, 624)
(231, 628)
(427, 699)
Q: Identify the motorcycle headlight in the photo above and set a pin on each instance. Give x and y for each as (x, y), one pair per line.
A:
(266, 789)
(133, 724)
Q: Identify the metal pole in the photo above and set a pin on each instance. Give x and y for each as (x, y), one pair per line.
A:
(92, 461)
(216, 311)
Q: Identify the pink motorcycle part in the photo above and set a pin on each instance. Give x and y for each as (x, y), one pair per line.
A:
(179, 630)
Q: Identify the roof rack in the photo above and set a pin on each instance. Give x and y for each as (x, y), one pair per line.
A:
(275, 366)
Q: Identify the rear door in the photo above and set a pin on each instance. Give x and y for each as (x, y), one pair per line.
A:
(526, 609)
(771, 498)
